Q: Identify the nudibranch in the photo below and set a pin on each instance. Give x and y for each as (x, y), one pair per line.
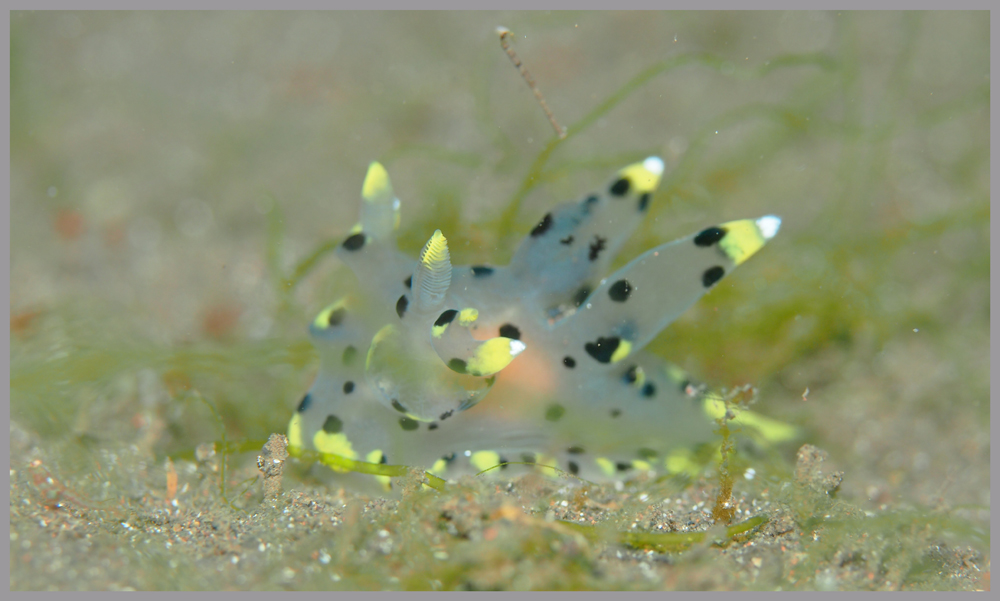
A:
(457, 369)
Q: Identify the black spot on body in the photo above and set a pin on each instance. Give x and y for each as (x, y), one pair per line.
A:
(349, 354)
(554, 412)
(569, 362)
(457, 365)
(712, 275)
(481, 270)
(616, 412)
(567, 240)
(543, 226)
(408, 282)
(573, 468)
(355, 241)
(398, 406)
(446, 414)
(581, 295)
(709, 236)
(576, 450)
(649, 391)
(304, 405)
(432, 426)
(596, 247)
(332, 425)
(401, 305)
(509, 330)
(603, 348)
(336, 317)
(620, 187)
(348, 387)
(620, 291)
(644, 202)
(622, 466)
(446, 317)
(384, 460)
(408, 424)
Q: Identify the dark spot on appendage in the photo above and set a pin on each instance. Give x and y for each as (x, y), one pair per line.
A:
(355, 241)
(573, 468)
(575, 450)
(304, 405)
(649, 391)
(528, 457)
(336, 317)
(449, 457)
(432, 426)
(481, 270)
(446, 317)
(543, 226)
(620, 291)
(616, 412)
(567, 240)
(647, 454)
(569, 362)
(398, 406)
(603, 348)
(503, 463)
(632, 374)
(712, 275)
(408, 424)
(349, 354)
(457, 365)
(408, 282)
(621, 466)
(446, 415)
(554, 412)
(401, 305)
(620, 187)
(509, 330)
(596, 247)
(709, 236)
(348, 387)
(384, 460)
(581, 295)
(644, 202)
(332, 425)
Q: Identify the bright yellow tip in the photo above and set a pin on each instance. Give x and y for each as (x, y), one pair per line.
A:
(377, 187)
(467, 316)
(623, 350)
(335, 444)
(295, 431)
(645, 176)
(322, 320)
(745, 237)
(376, 457)
(438, 468)
(484, 460)
(436, 250)
(607, 466)
(493, 355)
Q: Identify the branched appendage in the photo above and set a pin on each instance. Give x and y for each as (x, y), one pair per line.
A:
(724, 509)
(505, 36)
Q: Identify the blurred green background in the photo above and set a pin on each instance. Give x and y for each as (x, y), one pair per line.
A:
(170, 172)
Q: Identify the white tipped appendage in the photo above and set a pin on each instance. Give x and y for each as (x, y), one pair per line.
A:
(769, 226)
(654, 165)
(516, 347)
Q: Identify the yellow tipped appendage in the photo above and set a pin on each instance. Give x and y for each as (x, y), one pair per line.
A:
(745, 237)
(645, 176)
(377, 187)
